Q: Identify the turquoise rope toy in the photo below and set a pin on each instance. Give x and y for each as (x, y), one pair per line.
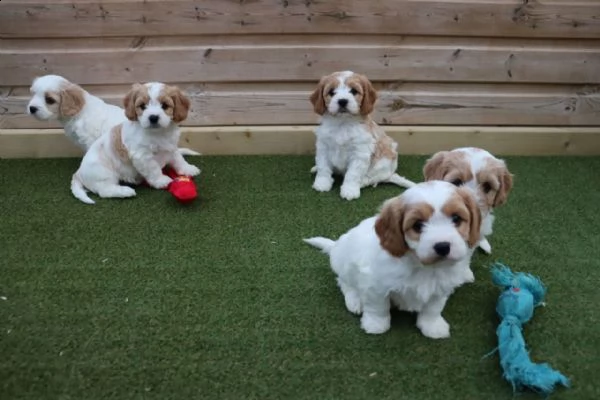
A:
(521, 294)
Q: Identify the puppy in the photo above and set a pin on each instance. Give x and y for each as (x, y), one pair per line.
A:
(83, 116)
(481, 172)
(413, 255)
(139, 148)
(349, 142)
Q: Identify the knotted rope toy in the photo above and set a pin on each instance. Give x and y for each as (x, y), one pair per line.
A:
(521, 294)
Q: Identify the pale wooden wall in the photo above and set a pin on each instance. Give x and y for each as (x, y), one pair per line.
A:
(481, 63)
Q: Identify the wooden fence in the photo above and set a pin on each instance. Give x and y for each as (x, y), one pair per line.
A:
(515, 76)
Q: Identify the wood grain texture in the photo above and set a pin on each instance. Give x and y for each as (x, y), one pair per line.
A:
(300, 140)
(190, 59)
(398, 104)
(504, 18)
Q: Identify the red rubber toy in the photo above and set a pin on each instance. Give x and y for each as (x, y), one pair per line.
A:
(182, 188)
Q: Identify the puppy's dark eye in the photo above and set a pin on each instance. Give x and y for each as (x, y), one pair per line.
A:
(50, 100)
(418, 226)
(486, 187)
(456, 219)
(457, 182)
(142, 106)
(164, 106)
(353, 92)
(331, 92)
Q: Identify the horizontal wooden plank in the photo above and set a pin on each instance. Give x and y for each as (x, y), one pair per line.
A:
(408, 59)
(505, 18)
(300, 140)
(399, 104)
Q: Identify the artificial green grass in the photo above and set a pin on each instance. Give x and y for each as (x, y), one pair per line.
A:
(148, 299)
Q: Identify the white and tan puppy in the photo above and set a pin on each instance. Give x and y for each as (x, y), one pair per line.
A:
(139, 148)
(479, 171)
(349, 142)
(413, 255)
(84, 117)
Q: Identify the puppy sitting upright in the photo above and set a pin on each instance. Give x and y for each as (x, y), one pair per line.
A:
(412, 255)
(137, 149)
(349, 142)
(481, 172)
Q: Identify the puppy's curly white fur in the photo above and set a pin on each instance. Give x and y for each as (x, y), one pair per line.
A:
(412, 255)
(349, 142)
(138, 148)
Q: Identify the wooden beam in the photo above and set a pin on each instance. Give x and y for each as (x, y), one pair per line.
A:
(507, 18)
(398, 104)
(254, 140)
(305, 59)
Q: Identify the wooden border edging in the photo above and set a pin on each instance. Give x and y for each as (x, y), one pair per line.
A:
(254, 140)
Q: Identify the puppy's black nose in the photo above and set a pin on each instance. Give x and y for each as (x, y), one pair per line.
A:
(442, 248)
(343, 102)
(33, 109)
(153, 119)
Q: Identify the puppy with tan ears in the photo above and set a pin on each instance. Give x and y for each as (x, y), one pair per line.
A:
(139, 148)
(413, 255)
(85, 117)
(349, 142)
(479, 171)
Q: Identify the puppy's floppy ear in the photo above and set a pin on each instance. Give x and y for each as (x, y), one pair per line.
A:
(506, 183)
(388, 227)
(369, 96)
(475, 214)
(129, 102)
(317, 99)
(433, 169)
(181, 104)
(72, 100)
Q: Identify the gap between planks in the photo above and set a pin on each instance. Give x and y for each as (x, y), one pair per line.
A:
(295, 140)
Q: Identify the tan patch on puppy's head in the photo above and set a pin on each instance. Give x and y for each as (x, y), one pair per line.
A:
(398, 221)
(174, 103)
(388, 227)
(495, 182)
(449, 166)
(365, 95)
(71, 99)
(322, 95)
(135, 101)
(465, 214)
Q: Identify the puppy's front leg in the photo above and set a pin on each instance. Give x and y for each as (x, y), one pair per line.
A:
(359, 165)
(430, 320)
(182, 167)
(146, 165)
(376, 314)
(324, 179)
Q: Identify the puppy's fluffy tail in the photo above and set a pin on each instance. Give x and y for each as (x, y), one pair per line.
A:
(79, 191)
(401, 181)
(321, 243)
(184, 151)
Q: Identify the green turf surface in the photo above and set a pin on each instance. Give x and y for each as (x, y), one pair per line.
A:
(147, 299)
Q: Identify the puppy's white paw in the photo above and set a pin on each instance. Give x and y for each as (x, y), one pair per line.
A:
(353, 303)
(161, 183)
(323, 183)
(375, 324)
(189, 170)
(434, 328)
(350, 191)
(470, 278)
(485, 246)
